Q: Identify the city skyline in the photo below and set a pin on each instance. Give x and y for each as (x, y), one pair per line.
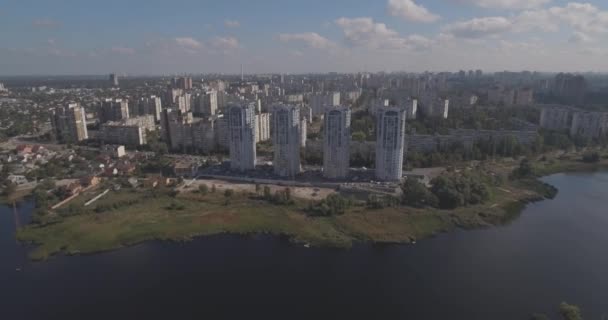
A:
(70, 38)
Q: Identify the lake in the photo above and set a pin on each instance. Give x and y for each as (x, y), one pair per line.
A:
(555, 251)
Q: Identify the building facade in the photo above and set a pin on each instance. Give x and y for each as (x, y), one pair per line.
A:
(150, 106)
(390, 143)
(242, 130)
(336, 142)
(114, 110)
(69, 123)
(206, 104)
(262, 127)
(286, 140)
(318, 102)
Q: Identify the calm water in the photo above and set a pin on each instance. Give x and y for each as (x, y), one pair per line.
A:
(557, 250)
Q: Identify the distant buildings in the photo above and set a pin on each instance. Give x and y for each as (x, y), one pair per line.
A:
(336, 142)
(114, 79)
(262, 127)
(508, 97)
(390, 143)
(577, 122)
(556, 117)
(206, 104)
(150, 106)
(318, 102)
(433, 106)
(114, 110)
(241, 126)
(69, 123)
(128, 132)
(286, 140)
(570, 88)
(181, 131)
(184, 83)
(2, 88)
(589, 124)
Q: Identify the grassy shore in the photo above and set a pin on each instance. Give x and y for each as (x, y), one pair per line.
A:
(130, 216)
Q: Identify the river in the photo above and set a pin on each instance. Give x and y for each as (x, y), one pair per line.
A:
(555, 251)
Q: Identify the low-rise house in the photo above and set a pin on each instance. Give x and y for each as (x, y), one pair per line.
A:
(90, 181)
(17, 179)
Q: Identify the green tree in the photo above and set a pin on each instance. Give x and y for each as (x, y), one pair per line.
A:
(228, 193)
(359, 136)
(267, 194)
(591, 157)
(10, 189)
(417, 195)
(570, 312)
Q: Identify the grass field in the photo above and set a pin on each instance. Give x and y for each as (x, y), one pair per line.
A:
(128, 217)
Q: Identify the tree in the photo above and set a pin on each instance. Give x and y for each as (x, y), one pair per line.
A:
(213, 189)
(570, 312)
(267, 194)
(415, 194)
(257, 188)
(203, 189)
(228, 193)
(524, 170)
(10, 189)
(359, 136)
(591, 157)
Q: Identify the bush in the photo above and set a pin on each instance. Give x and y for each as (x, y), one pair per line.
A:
(334, 204)
(203, 189)
(417, 195)
(591, 157)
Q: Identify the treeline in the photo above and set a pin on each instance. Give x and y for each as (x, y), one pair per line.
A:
(449, 191)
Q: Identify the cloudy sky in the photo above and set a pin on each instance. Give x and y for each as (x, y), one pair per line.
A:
(165, 37)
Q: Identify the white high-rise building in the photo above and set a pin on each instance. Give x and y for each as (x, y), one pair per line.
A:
(262, 127)
(241, 126)
(150, 106)
(390, 143)
(69, 123)
(286, 140)
(303, 136)
(336, 142)
(207, 103)
(318, 102)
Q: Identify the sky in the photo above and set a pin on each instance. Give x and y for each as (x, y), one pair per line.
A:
(149, 37)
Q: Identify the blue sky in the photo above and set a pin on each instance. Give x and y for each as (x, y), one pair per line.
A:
(154, 37)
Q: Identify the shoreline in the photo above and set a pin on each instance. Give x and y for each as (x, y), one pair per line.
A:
(207, 215)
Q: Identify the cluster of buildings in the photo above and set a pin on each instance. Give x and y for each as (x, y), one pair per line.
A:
(287, 140)
(577, 122)
(499, 95)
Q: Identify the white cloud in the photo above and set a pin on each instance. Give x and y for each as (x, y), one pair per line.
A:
(479, 27)
(122, 50)
(364, 32)
(411, 11)
(188, 42)
(225, 44)
(579, 37)
(506, 4)
(46, 23)
(232, 23)
(311, 39)
(583, 17)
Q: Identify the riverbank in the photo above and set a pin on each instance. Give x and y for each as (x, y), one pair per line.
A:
(130, 216)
